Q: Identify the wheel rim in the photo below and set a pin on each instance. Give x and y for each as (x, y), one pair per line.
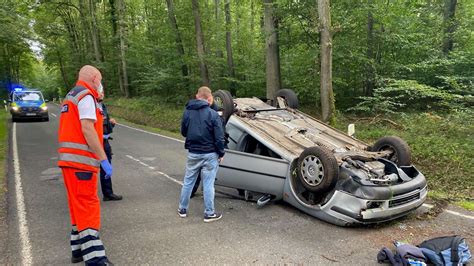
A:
(219, 102)
(312, 170)
(394, 156)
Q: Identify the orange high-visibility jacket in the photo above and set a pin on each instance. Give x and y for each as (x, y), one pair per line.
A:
(73, 149)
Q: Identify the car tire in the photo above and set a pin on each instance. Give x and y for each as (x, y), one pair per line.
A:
(46, 119)
(317, 169)
(224, 101)
(290, 97)
(14, 120)
(401, 151)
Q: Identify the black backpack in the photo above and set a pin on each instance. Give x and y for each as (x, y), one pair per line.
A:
(446, 250)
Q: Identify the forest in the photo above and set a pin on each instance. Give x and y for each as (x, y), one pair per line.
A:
(401, 67)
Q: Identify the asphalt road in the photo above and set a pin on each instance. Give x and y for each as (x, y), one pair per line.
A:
(144, 227)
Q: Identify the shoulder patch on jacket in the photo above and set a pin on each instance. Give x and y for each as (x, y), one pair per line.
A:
(65, 108)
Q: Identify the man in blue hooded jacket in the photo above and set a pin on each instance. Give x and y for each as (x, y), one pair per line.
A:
(202, 128)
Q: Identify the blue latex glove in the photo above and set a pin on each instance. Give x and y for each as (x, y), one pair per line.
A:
(107, 167)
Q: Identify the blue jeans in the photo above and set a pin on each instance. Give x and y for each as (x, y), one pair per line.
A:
(206, 163)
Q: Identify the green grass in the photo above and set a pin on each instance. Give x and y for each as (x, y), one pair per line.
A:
(468, 205)
(148, 112)
(442, 144)
(3, 149)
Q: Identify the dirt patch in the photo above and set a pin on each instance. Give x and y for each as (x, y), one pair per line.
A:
(439, 205)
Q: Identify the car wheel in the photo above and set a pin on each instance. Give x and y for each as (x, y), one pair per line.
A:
(317, 169)
(14, 119)
(401, 154)
(224, 102)
(290, 97)
(196, 185)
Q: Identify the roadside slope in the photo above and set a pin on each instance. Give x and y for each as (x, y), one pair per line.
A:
(3, 173)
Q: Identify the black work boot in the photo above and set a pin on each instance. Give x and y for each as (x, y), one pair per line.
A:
(76, 259)
(112, 197)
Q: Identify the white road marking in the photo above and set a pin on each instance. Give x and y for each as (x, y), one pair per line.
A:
(144, 164)
(26, 258)
(179, 182)
(54, 115)
(151, 133)
(131, 157)
(153, 168)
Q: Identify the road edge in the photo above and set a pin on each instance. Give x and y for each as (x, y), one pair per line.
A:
(3, 193)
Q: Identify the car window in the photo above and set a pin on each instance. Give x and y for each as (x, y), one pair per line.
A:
(234, 136)
(251, 145)
(27, 96)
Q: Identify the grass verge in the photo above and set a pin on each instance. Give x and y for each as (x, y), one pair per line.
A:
(3, 173)
(442, 144)
(3, 149)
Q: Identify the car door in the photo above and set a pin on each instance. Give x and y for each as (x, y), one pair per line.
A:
(242, 168)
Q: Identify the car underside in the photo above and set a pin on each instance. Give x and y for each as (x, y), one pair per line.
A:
(284, 154)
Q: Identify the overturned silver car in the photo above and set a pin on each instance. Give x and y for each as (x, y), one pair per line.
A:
(287, 155)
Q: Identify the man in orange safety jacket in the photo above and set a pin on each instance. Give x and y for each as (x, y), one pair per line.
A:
(80, 156)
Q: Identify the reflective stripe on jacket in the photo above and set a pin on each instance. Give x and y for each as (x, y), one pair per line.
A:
(73, 149)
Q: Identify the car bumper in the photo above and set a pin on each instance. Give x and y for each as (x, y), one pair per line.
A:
(28, 115)
(355, 210)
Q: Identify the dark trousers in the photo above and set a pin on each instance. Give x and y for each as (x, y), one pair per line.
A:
(106, 184)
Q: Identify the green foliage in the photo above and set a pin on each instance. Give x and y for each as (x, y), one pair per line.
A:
(405, 95)
(148, 111)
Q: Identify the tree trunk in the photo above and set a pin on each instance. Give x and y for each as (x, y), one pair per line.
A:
(85, 28)
(113, 17)
(95, 32)
(370, 68)
(116, 44)
(252, 16)
(228, 46)
(123, 47)
(179, 42)
(200, 44)
(218, 31)
(327, 96)
(449, 25)
(61, 68)
(272, 50)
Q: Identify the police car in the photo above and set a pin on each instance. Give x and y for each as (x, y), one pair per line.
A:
(28, 104)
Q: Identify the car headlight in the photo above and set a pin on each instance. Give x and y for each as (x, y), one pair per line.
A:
(44, 108)
(14, 108)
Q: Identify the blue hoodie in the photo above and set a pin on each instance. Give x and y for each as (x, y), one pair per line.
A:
(202, 128)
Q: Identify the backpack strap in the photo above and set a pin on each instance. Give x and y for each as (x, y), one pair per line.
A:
(455, 247)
